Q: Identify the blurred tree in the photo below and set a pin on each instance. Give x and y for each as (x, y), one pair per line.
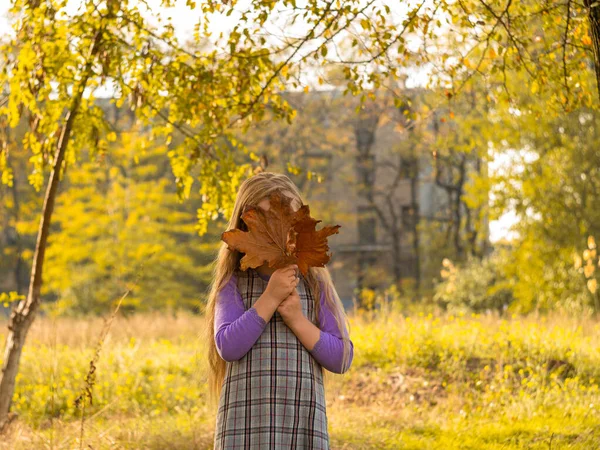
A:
(478, 286)
(411, 166)
(18, 209)
(306, 147)
(552, 185)
(550, 43)
(442, 153)
(459, 147)
(116, 214)
(364, 126)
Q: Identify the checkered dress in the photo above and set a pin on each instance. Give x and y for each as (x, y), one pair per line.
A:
(273, 397)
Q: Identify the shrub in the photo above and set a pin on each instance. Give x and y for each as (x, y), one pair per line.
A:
(479, 285)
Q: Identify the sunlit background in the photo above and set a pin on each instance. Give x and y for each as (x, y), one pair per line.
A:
(456, 143)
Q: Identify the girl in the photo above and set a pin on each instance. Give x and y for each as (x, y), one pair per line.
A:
(268, 340)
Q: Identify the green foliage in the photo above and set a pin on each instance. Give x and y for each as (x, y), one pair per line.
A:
(551, 184)
(122, 225)
(319, 132)
(479, 285)
(544, 278)
(19, 209)
(205, 91)
(541, 49)
(195, 97)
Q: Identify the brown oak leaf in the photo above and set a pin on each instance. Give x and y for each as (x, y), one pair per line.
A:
(280, 236)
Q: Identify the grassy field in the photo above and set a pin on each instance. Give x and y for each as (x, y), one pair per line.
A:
(417, 382)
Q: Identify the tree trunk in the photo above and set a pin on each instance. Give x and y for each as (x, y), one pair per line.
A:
(458, 192)
(24, 313)
(415, 225)
(397, 249)
(456, 219)
(594, 19)
(365, 128)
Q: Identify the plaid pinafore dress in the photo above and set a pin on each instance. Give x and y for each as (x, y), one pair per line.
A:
(273, 397)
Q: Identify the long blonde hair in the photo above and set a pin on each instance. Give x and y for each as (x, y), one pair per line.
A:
(251, 192)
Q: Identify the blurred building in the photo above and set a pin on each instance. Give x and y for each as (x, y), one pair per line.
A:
(395, 202)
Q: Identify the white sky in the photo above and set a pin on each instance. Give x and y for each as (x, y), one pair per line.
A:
(185, 20)
(500, 229)
(183, 17)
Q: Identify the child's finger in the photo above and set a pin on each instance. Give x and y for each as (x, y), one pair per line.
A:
(292, 267)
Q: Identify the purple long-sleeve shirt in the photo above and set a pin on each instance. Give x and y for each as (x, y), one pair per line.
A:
(237, 330)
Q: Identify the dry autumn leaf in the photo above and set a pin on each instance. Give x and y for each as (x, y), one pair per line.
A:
(280, 236)
(311, 245)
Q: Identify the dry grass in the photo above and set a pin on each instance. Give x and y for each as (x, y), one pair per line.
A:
(417, 382)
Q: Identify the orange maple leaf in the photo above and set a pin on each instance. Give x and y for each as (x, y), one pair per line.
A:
(280, 236)
(311, 245)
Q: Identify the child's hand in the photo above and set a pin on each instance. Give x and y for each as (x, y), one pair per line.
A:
(291, 308)
(282, 282)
